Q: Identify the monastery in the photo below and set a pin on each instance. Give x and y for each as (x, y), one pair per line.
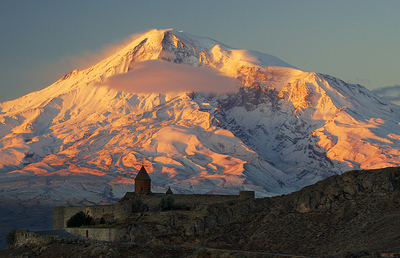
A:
(142, 199)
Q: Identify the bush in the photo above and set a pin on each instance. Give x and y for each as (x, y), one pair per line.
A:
(10, 238)
(102, 221)
(166, 204)
(138, 202)
(79, 219)
(139, 206)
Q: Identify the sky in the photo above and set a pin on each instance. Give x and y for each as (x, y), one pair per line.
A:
(354, 40)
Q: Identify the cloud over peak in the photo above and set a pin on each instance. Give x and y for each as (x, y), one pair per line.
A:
(157, 76)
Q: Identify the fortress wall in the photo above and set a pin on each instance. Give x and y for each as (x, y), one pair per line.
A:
(25, 237)
(124, 210)
(196, 199)
(63, 213)
(186, 199)
(247, 194)
(58, 217)
(103, 234)
(99, 211)
(117, 211)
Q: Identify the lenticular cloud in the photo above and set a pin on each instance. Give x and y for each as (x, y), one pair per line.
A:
(156, 76)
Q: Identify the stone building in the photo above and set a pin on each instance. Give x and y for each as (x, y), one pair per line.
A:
(142, 182)
(169, 191)
(126, 207)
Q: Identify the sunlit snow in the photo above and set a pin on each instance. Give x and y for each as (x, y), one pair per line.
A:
(80, 141)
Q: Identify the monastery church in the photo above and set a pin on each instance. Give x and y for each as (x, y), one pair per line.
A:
(127, 206)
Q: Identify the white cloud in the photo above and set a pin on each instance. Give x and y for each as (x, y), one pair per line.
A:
(156, 76)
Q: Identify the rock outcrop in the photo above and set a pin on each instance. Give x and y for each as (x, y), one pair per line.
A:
(352, 215)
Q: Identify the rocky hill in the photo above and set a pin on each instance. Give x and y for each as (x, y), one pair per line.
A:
(357, 212)
(354, 214)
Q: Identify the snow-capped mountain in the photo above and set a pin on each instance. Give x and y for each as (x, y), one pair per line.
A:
(84, 138)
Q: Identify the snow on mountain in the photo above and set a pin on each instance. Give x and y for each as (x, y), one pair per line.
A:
(82, 141)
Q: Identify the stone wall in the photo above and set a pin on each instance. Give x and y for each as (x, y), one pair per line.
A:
(59, 217)
(25, 237)
(110, 212)
(63, 213)
(170, 226)
(246, 194)
(124, 209)
(103, 234)
(100, 211)
(189, 200)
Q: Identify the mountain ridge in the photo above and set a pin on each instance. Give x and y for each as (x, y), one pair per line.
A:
(81, 141)
(283, 129)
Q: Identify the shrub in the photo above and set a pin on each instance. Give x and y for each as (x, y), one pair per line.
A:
(79, 219)
(10, 238)
(166, 204)
(138, 202)
(102, 221)
(139, 206)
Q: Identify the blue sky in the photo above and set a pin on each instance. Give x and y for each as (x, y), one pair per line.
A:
(356, 41)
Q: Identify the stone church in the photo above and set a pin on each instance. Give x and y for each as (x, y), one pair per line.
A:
(125, 208)
(142, 182)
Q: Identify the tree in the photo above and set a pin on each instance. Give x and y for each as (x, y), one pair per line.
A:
(139, 206)
(10, 238)
(79, 219)
(166, 204)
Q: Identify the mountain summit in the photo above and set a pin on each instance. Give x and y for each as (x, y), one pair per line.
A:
(200, 116)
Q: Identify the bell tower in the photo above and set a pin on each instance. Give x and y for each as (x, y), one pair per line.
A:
(142, 182)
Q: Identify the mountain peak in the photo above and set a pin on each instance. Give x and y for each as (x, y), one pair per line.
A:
(281, 129)
(78, 141)
(183, 48)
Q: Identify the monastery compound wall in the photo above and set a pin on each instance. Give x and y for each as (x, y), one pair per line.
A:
(124, 209)
(102, 234)
(129, 205)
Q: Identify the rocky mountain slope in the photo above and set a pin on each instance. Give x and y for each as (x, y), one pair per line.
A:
(203, 118)
(355, 214)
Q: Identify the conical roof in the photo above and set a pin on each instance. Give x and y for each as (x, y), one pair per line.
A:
(169, 191)
(142, 175)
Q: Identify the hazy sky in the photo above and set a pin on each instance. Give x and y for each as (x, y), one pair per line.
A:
(357, 41)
